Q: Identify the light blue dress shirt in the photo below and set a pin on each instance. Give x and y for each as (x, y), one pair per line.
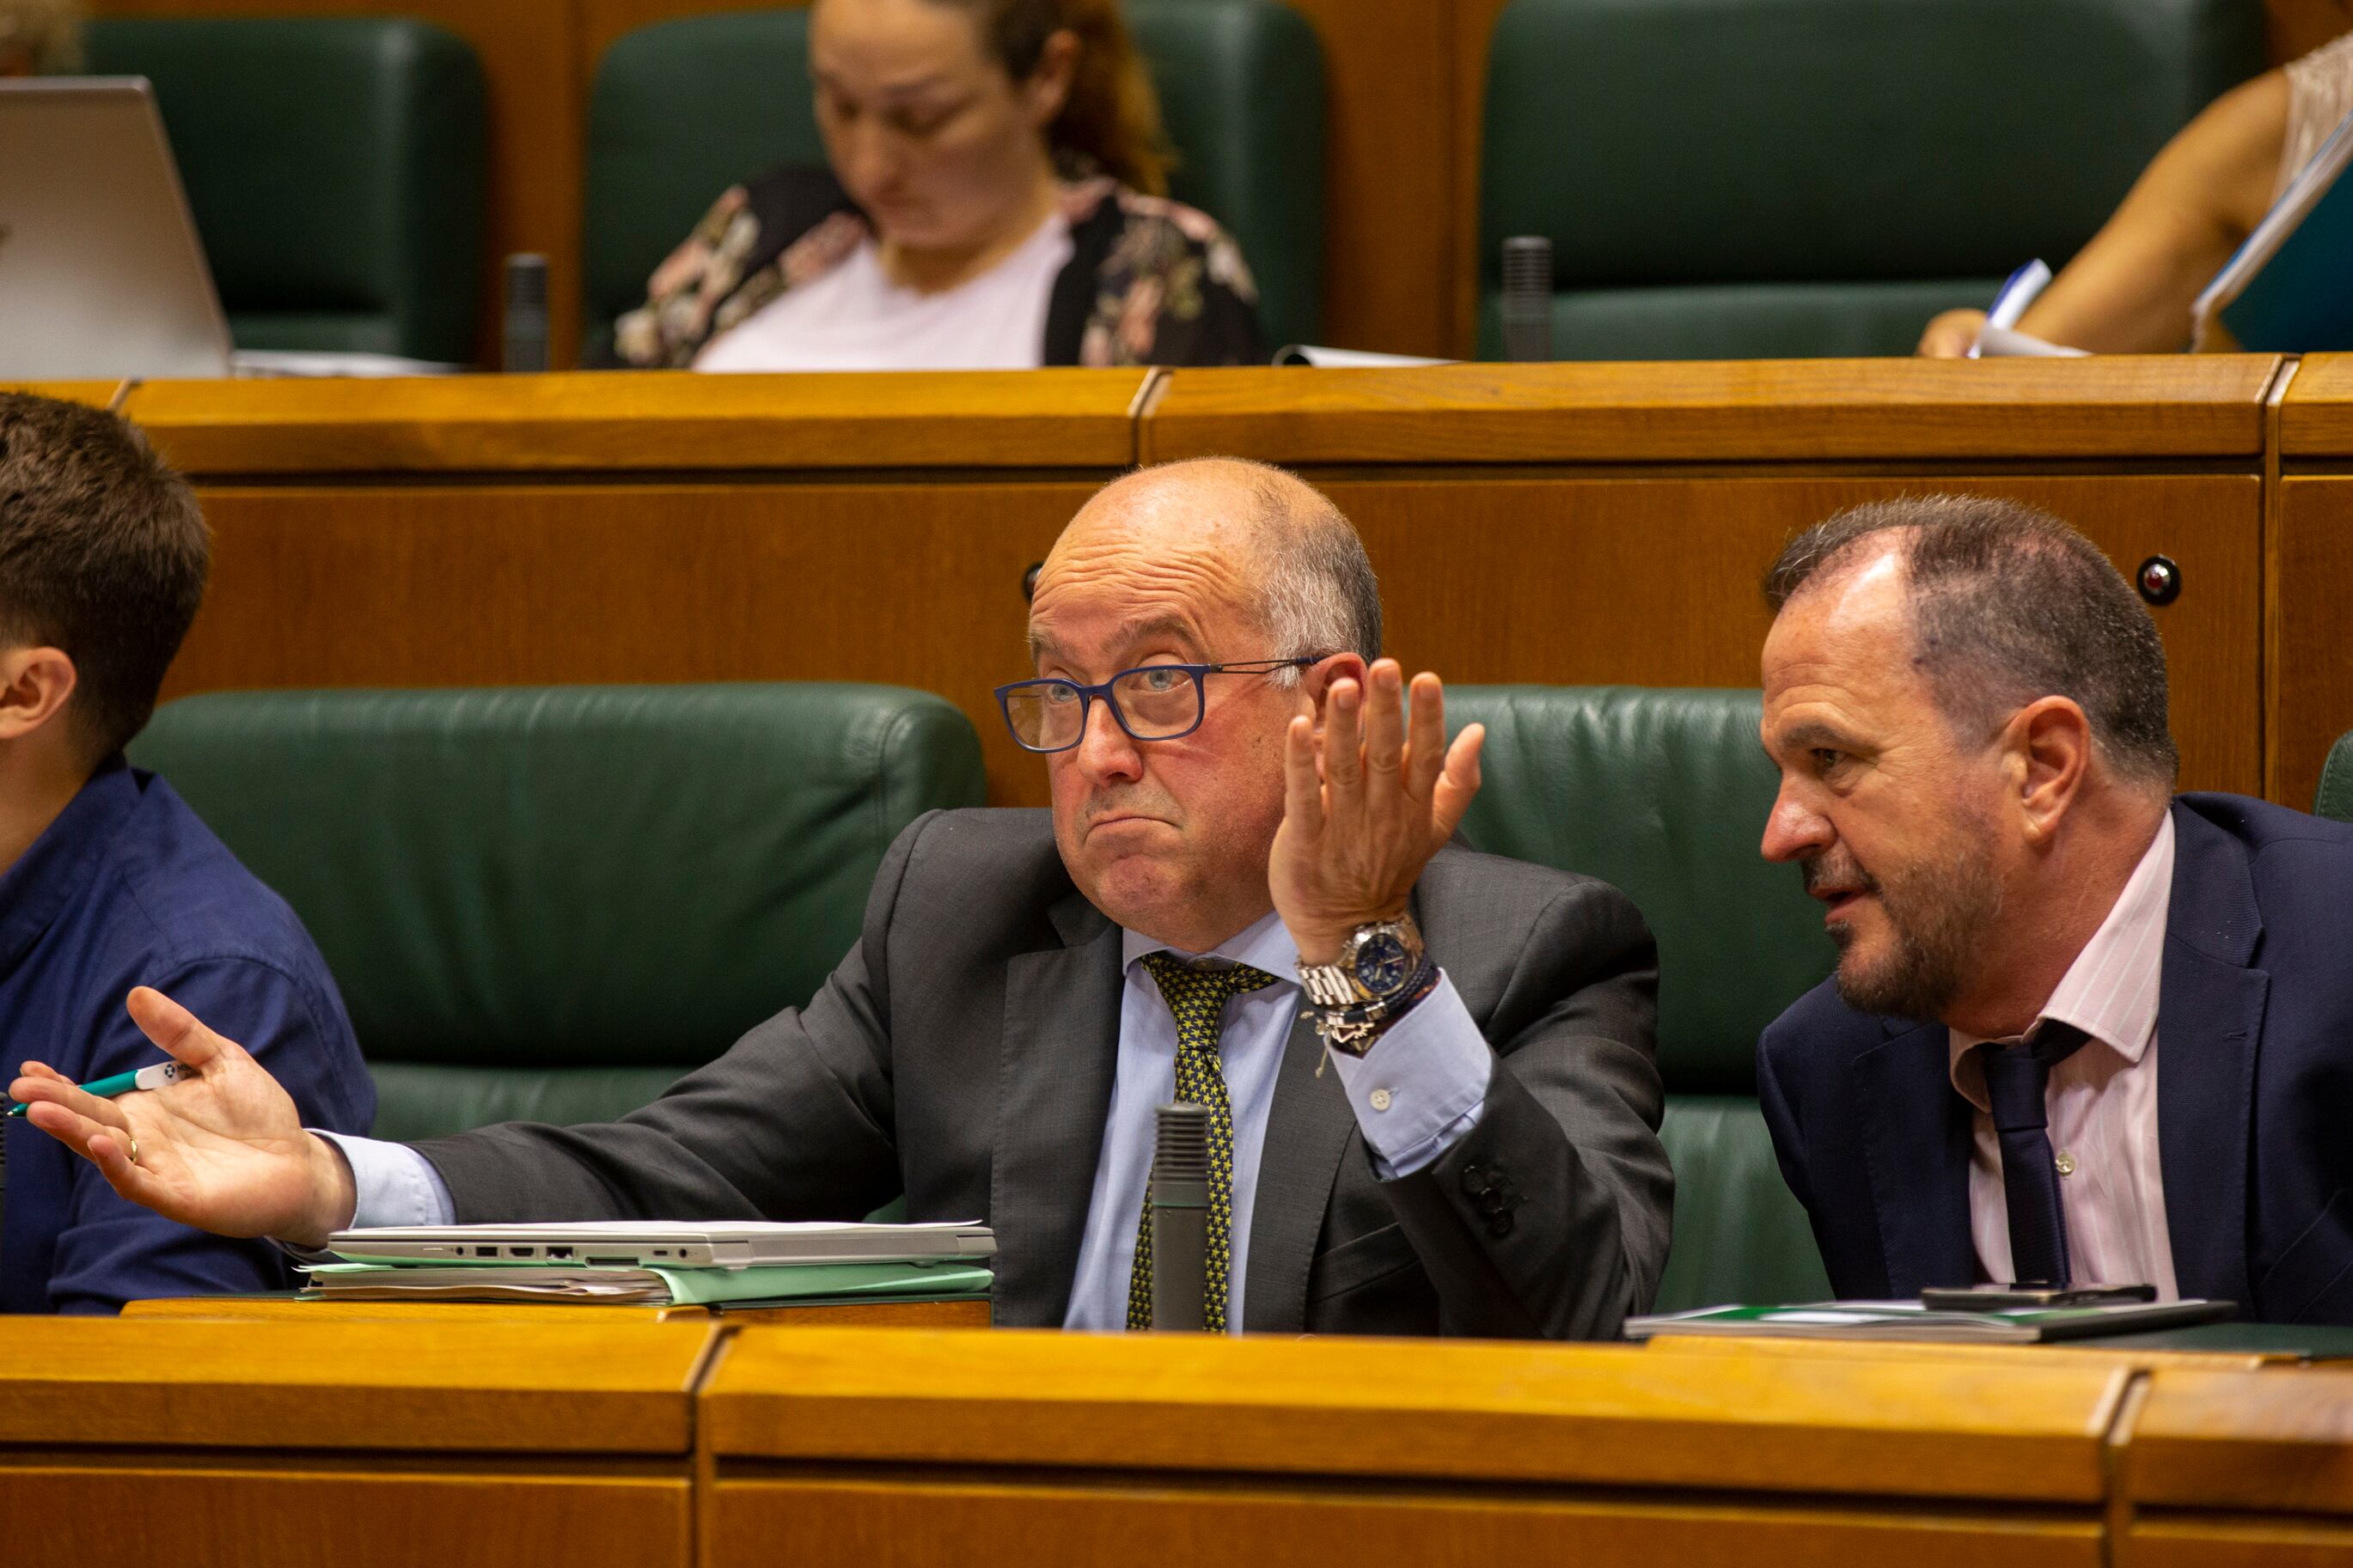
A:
(1416, 1092)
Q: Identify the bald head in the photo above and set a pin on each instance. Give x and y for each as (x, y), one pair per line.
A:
(1267, 541)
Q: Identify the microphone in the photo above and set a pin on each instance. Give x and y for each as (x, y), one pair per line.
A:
(1527, 298)
(525, 320)
(1180, 1218)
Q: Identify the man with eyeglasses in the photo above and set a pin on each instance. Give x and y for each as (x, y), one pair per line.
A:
(1433, 1097)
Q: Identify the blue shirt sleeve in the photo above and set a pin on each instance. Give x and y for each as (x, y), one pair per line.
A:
(1420, 1088)
(109, 1250)
(397, 1185)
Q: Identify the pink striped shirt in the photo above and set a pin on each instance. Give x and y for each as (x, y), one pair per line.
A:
(2102, 1101)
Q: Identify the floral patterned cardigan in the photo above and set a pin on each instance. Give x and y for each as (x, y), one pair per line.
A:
(1149, 281)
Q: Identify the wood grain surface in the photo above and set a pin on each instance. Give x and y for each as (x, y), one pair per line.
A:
(537, 128)
(1658, 581)
(213, 1513)
(2279, 1440)
(2156, 406)
(2311, 685)
(671, 420)
(546, 1387)
(915, 585)
(915, 1522)
(1570, 581)
(1595, 1416)
(97, 393)
(2194, 1540)
(2316, 416)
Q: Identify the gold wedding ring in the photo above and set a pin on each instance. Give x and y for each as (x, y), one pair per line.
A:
(135, 1151)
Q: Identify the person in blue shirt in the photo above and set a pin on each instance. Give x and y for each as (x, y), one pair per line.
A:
(108, 881)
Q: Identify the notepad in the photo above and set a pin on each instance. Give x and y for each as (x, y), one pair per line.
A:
(804, 1282)
(1910, 1321)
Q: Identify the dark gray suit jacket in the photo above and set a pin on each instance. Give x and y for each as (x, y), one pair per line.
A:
(964, 1053)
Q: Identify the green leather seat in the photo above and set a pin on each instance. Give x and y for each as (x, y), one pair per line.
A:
(2335, 796)
(1662, 793)
(683, 109)
(1762, 178)
(548, 903)
(335, 167)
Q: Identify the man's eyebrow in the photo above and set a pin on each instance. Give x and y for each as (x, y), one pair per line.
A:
(1043, 645)
(1812, 733)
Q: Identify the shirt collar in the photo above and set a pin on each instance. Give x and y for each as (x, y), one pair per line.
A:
(1265, 946)
(2110, 991)
(36, 889)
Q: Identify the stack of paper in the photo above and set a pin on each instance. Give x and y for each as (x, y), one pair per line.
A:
(796, 1282)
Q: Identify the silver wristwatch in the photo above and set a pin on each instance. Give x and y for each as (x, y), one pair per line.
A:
(1381, 969)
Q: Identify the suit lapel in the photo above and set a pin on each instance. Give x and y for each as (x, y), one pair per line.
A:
(1307, 1127)
(2209, 1018)
(1917, 1155)
(1060, 1053)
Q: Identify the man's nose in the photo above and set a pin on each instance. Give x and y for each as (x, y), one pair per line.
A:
(1793, 830)
(1107, 753)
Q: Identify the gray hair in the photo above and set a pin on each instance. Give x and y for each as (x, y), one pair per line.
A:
(2008, 604)
(1317, 594)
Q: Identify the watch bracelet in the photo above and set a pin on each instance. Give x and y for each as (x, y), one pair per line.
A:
(1353, 1030)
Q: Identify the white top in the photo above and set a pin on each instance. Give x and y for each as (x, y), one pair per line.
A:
(855, 318)
(2102, 1100)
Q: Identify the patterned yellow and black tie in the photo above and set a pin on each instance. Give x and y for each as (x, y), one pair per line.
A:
(1197, 999)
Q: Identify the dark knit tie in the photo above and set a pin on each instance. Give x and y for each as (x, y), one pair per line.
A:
(2017, 1079)
(1197, 999)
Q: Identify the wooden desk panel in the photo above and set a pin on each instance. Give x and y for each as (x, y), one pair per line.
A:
(2157, 407)
(2251, 1469)
(2310, 689)
(283, 1515)
(2316, 414)
(978, 1523)
(545, 1388)
(96, 394)
(916, 586)
(1658, 581)
(670, 421)
(1585, 1415)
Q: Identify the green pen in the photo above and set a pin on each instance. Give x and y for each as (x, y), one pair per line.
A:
(154, 1077)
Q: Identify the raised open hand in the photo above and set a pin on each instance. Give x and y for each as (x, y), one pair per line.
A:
(224, 1150)
(1366, 805)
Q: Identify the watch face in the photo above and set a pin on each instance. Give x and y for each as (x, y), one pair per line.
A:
(1382, 965)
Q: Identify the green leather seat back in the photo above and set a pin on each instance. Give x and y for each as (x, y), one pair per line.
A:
(1724, 178)
(1662, 793)
(550, 902)
(336, 169)
(683, 109)
(2335, 796)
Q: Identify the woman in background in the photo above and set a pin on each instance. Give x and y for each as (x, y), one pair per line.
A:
(2130, 289)
(993, 199)
(40, 37)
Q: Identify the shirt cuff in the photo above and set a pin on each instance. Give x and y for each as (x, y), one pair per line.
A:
(1422, 1085)
(397, 1185)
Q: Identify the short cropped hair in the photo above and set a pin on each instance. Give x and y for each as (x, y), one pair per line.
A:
(103, 554)
(2008, 604)
(1317, 592)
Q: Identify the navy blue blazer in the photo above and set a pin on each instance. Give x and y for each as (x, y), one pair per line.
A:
(2254, 1089)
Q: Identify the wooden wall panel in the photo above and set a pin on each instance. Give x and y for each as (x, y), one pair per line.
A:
(529, 51)
(917, 585)
(1658, 581)
(838, 1523)
(2312, 678)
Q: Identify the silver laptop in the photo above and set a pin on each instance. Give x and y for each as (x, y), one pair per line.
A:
(645, 1244)
(101, 274)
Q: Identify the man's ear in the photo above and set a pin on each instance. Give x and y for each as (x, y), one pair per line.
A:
(2049, 747)
(34, 685)
(1315, 682)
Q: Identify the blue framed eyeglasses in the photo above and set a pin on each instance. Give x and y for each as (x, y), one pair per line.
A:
(1152, 703)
